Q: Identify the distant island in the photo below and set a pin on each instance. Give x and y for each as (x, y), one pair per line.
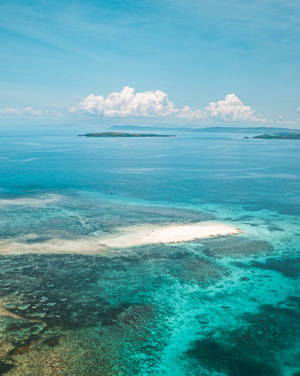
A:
(247, 130)
(279, 136)
(122, 134)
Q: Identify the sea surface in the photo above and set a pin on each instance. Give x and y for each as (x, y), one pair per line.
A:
(227, 306)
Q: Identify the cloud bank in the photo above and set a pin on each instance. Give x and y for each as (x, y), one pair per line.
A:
(20, 111)
(156, 104)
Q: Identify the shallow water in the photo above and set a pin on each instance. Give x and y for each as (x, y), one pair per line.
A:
(223, 306)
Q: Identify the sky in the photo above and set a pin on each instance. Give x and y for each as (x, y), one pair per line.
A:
(217, 62)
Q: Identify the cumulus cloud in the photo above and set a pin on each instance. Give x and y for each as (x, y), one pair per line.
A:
(128, 103)
(20, 111)
(298, 109)
(231, 108)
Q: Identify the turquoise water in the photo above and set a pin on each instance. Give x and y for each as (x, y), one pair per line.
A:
(222, 306)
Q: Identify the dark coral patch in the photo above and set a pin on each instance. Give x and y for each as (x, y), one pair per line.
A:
(251, 349)
(289, 267)
(235, 246)
(4, 367)
(230, 359)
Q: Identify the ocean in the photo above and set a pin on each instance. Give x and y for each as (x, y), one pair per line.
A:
(226, 306)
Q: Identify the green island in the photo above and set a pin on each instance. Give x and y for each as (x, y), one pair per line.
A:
(122, 134)
(279, 136)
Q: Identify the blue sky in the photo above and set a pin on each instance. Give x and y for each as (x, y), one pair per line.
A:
(172, 61)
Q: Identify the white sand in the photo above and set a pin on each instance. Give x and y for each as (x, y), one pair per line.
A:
(173, 233)
(126, 237)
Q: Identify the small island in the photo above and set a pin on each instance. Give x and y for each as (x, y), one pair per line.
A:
(122, 134)
(295, 136)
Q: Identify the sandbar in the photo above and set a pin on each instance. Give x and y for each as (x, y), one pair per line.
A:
(124, 237)
(173, 233)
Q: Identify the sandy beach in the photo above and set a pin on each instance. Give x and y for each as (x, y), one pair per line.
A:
(125, 237)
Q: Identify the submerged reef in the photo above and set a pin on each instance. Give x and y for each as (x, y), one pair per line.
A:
(57, 300)
(79, 315)
(218, 306)
(255, 347)
(236, 247)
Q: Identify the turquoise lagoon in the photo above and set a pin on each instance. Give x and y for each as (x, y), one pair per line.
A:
(215, 307)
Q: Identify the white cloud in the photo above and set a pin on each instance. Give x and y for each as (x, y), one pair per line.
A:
(127, 102)
(20, 111)
(298, 109)
(155, 104)
(232, 109)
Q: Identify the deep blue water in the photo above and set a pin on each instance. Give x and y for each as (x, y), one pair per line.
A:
(226, 306)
